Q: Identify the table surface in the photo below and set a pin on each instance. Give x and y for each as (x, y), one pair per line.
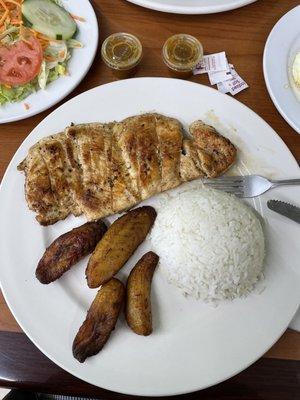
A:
(242, 34)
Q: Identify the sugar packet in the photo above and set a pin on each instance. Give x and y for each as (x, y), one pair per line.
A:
(219, 76)
(234, 85)
(212, 63)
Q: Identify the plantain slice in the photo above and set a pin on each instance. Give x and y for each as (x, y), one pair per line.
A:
(68, 249)
(100, 320)
(118, 244)
(138, 301)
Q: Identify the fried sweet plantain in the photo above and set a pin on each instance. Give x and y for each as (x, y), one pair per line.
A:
(68, 249)
(138, 302)
(118, 244)
(100, 320)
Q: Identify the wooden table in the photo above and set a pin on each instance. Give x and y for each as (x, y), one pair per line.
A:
(242, 34)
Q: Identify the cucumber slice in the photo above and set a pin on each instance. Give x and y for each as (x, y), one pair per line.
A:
(26, 22)
(49, 19)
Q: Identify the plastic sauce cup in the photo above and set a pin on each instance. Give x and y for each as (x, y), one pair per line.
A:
(181, 54)
(122, 52)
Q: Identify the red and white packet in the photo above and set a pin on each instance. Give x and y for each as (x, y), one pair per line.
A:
(233, 85)
(221, 73)
(212, 63)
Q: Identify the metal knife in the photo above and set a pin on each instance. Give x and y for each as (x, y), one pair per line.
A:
(286, 209)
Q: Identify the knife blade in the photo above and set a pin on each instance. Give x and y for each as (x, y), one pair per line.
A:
(285, 209)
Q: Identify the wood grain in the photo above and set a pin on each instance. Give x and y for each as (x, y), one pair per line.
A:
(25, 367)
(7, 321)
(287, 347)
(241, 33)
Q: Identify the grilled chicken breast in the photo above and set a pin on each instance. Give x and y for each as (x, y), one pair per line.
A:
(101, 169)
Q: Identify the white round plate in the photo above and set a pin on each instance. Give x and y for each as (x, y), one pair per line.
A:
(78, 66)
(192, 6)
(281, 47)
(194, 345)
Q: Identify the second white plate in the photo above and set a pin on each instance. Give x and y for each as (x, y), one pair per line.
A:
(192, 6)
(281, 47)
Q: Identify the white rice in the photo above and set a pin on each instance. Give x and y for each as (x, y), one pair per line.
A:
(211, 245)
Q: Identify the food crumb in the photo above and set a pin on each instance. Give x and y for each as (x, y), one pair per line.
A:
(26, 106)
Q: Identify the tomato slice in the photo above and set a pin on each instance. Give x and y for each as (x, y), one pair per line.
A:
(20, 62)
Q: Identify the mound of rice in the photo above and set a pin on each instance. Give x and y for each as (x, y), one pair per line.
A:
(211, 245)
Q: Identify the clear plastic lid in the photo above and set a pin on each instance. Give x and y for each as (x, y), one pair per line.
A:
(182, 52)
(121, 51)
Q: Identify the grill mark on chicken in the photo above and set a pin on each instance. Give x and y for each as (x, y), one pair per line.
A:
(124, 195)
(64, 178)
(102, 169)
(92, 143)
(169, 135)
(126, 138)
(220, 148)
(149, 165)
(138, 141)
(50, 151)
(38, 191)
(74, 176)
(189, 164)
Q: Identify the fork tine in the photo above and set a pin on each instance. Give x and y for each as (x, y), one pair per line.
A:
(237, 190)
(230, 184)
(230, 190)
(233, 179)
(238, 193)
(223, 185)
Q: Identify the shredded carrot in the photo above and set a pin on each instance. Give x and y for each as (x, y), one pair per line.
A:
(13, 2)
(46, 38)
(24, 35)
(50, 58)
(11, 13)
(26, 106)
(8, 86)
(3, 5)
(78, 18)
(16, 22)
(33, 31)
(42, 37)
(3, 17)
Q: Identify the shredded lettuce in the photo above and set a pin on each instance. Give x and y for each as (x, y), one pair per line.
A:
(9, 34)
(58, 50)
(74, 44)
(20, 92)
(16, 93)
(49, 75)
(43, 75)
(61, 69)
(56, 72)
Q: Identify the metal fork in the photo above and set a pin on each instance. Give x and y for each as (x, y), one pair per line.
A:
(248, 185)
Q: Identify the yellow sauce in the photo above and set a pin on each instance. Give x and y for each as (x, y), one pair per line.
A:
(181, 54)
(122, 53)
